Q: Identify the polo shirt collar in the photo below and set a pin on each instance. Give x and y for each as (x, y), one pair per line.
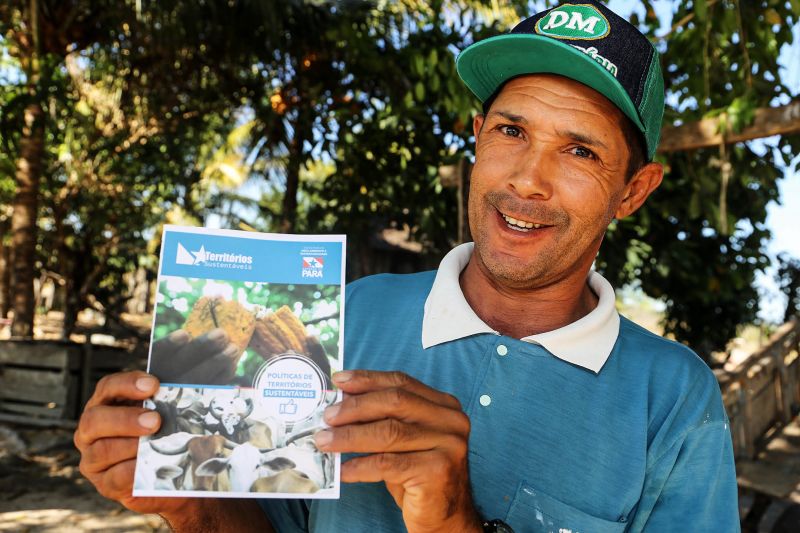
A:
(586, 342)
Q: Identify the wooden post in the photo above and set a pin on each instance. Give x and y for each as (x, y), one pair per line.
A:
(705, 133)
(747, 441)
(86, 374)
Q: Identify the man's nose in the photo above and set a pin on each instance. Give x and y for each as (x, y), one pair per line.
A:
(533, 178)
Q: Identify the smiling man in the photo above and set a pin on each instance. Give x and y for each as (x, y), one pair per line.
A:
(579, 419)
(503, 392)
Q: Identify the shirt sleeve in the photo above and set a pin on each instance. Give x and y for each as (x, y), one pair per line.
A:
(692, 486)
(286, 515)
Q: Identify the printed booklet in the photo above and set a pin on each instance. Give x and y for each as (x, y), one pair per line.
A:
(247, 331)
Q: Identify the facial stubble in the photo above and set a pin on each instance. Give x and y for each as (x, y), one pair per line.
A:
(551, 262)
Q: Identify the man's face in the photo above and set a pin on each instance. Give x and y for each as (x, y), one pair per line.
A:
(549, 176)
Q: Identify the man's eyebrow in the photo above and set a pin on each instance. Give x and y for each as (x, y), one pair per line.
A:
(583, 138)
(516, 119)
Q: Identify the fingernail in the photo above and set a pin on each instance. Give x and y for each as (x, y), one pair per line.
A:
(215, 334)
(146, 384)
(341, 377)
(179, 335)
(149, 420)
(332, 411)
(323, 438)
(231, 351)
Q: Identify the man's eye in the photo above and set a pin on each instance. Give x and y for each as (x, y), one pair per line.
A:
(580, 151)
(511, 131)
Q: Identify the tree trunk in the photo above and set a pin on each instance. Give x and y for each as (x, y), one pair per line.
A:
(71, 308)
(5, 270)
(301, 130)
(76, 279)
(23, 220)
(289, 205)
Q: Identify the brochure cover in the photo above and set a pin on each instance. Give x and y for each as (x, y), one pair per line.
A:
(247, 331)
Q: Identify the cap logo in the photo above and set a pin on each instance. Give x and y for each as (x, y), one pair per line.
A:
(574, 21)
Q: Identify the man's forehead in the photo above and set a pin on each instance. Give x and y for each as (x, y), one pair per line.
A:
(591, 118)
(574, 93)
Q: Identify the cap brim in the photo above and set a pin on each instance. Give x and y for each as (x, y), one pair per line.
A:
(487, 64)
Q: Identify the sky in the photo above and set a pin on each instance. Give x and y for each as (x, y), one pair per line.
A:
(783, 219)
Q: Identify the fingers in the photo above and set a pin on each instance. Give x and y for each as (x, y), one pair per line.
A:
(105, 453)
(102, 421)
(204, 346)
(123, 387)
(104, 416)
(209, 359)
(397, 468)
(216, 370)
(417, 441)
(107, 434)
(388, 435)
(116, 483)
(392, 412)
(431, 487)
(361, 381)
(399, 404)
(171, 342)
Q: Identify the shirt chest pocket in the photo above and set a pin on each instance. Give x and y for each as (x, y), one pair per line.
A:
(533, 511)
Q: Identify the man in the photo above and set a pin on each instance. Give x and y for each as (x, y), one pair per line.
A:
(504, 391)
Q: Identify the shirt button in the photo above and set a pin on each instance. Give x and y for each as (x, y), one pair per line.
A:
(485, 400)
(502, 349)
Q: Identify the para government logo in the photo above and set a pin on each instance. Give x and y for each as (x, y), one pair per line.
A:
(574, 21)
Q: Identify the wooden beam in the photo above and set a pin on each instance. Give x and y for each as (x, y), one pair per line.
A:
(783, 120)
(27, 420)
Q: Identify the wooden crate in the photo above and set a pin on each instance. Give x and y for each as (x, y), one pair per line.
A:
(762, 394)
(43, 381)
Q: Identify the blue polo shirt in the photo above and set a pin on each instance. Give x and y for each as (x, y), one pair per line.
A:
(643, 444)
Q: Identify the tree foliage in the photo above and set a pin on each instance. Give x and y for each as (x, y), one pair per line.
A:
(788, 276)
(132, 112)
(700, 239)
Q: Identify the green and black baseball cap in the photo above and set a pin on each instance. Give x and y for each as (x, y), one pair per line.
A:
(584, 41)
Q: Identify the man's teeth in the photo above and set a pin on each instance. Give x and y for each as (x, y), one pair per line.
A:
(521, 224)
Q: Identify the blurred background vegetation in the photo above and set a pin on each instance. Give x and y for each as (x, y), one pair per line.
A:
(348, 116)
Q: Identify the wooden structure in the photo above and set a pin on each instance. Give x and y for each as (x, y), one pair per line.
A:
(47, 383)
(762, 397)
(768, 121)
(762, 394)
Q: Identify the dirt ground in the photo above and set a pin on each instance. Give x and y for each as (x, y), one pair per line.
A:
(41, 488)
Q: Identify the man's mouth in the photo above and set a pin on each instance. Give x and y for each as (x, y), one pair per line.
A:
(521, 225)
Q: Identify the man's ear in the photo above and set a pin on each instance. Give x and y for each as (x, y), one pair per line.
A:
(477, 125)
(644, 182)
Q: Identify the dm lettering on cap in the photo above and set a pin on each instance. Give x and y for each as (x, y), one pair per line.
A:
(574, 22)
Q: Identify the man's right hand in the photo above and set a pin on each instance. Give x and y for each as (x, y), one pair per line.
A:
(108, 439)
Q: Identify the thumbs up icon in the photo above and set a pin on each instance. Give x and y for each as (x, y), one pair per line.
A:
(289, 408)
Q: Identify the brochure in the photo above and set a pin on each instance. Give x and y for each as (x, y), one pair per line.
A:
(247, 331)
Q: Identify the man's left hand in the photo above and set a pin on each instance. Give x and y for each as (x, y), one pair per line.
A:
(417, 440)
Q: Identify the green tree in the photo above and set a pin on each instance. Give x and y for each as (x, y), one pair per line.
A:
(788, 276)
(699, 241)
(395, 114)
(125, 114)
(339, 116)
